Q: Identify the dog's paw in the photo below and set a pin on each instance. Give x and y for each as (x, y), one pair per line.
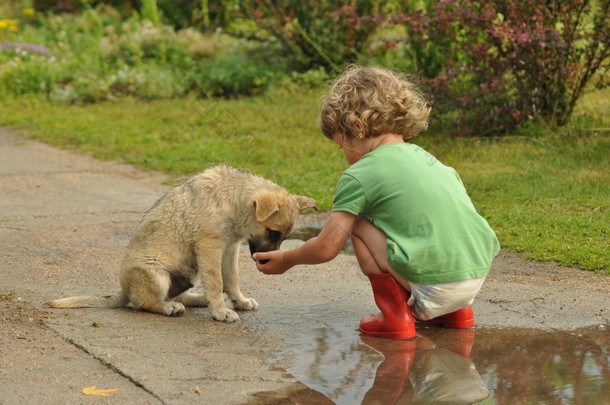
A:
(225, 315)
(173, 309)
(247, 304)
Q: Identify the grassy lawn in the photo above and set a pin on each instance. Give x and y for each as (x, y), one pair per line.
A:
(545, 194)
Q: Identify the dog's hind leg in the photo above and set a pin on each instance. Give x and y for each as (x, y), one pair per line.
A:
(230, 280)
(147, 288)
(190, 299)
(179, 292)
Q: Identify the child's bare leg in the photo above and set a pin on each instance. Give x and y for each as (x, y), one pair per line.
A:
(395, 320)
(370, 247)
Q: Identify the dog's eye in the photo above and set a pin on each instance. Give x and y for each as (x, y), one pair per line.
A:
(274, 236)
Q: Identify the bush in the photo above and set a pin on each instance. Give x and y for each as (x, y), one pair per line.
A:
(189, 13)
(26, 74)
(497, 64)
(314, 33)
(138, 40)
(177, 13)
(230, 74)
(149, 82)
(95, 55)
(199, 45)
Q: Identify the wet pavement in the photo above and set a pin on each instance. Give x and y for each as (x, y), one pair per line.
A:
(65, 221)
(448, 366)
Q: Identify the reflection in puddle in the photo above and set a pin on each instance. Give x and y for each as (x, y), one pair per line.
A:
(503, 366)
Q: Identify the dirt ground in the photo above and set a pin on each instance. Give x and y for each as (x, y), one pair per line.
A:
(64, 224)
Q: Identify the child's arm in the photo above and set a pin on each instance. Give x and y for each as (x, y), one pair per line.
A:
(320, 249)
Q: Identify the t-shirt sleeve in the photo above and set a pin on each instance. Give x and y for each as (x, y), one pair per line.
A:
(457, 176)
(350, 196)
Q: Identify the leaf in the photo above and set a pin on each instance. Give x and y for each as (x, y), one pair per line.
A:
(94, 391)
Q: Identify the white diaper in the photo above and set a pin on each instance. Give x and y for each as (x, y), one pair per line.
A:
(429, 301)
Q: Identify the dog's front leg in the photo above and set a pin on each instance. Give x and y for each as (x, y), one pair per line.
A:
(209, 259)
(230, 279)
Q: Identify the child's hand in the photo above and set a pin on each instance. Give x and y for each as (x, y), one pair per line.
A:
(270, 262)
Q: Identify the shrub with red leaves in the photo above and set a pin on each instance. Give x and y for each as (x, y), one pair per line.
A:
(315, 33)
(498, 63)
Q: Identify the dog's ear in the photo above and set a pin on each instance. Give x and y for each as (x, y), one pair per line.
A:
(265, 205)
(305, 202)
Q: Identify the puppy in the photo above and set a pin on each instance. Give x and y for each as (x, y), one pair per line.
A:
(193, 233)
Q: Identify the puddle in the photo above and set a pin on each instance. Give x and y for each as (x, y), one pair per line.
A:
(447, 366)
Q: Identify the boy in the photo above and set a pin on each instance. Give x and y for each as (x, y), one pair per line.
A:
(415, 232)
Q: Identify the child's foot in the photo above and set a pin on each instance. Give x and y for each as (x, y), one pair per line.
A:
(395, 320)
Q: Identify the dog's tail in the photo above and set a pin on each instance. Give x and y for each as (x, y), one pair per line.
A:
(88, 301)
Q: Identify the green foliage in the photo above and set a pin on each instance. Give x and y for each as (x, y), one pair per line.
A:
(149, 11)
(137, 41)
(299, 81)
(25, 75)
(494, 65)
(97, 55)
(231, 74)
(205, 14)
(314, 33)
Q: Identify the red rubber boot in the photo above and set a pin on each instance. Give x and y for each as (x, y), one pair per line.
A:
(395, 320)
(460, 319)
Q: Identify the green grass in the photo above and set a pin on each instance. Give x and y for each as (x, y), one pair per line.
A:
(545, 194)
(273, 136)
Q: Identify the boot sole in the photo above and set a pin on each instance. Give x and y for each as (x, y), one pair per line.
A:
(391, 335)
(451, 324)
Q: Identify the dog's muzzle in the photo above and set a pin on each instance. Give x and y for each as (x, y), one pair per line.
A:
(256, 245)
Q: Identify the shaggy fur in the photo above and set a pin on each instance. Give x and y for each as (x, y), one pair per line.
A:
(193, 233)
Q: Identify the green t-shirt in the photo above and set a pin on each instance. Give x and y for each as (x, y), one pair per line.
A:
(434, 234)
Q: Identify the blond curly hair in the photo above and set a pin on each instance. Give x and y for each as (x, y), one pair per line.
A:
(368, 101)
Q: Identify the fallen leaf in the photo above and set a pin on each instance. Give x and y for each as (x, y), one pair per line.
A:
(197, 390)
(94, 391)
